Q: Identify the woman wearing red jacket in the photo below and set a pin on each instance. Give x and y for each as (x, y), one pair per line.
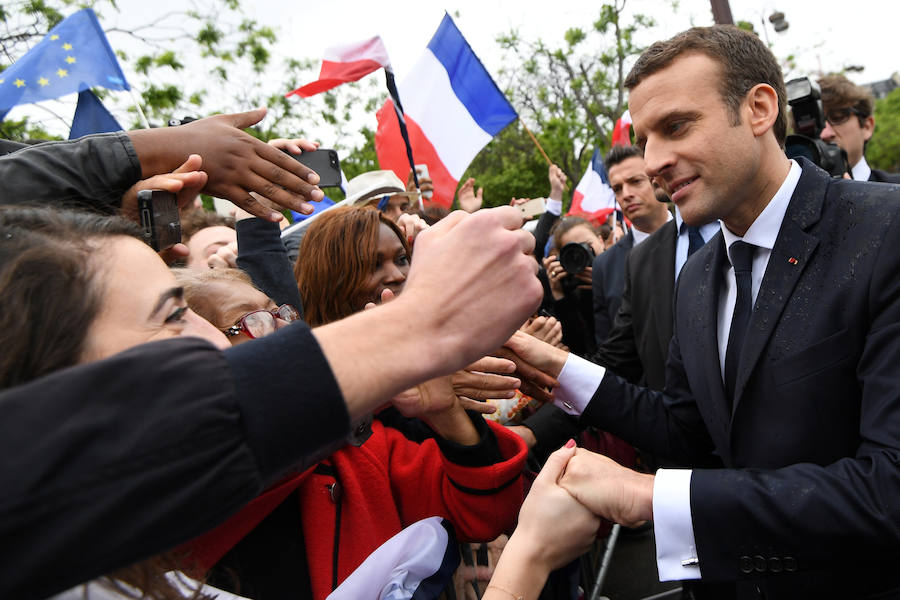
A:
(458, 467)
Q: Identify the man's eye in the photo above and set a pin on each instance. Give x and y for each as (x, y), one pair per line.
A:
(675, 127)
(177, 315)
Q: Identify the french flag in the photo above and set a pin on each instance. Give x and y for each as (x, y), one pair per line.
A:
(621, 135)
(593, 198)
(345, 63)
(452, 108)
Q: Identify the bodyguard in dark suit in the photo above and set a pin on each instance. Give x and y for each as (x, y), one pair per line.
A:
(607, 284)
(636, 197)
(785, 356)
(638, 344)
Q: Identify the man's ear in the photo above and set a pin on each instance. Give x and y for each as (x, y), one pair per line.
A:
(761, 106)
(868, 127)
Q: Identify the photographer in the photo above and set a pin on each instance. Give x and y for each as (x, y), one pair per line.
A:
(849, 124)
(568, 269)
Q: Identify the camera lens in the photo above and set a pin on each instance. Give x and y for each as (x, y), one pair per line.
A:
(576, 257)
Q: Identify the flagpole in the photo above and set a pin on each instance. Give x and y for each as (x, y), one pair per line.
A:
(141, 114)
(404, 133)
(536, 143)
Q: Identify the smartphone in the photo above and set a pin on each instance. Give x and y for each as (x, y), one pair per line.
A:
(422, 173)
(159, 218)
(324, 162)
(532, 208)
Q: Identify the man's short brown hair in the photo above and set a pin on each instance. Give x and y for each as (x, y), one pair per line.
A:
(744, 59)
(840, 92)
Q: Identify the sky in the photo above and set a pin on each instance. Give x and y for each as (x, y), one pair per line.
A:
(825, 35)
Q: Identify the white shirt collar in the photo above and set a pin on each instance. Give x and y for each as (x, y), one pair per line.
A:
(706, 231)
(764, 230)
(640, 236)
(861, 171)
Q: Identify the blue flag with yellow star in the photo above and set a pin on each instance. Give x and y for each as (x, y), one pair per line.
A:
(73, 56)
(91, 117)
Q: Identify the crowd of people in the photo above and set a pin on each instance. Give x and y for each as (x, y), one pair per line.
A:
(264, 413)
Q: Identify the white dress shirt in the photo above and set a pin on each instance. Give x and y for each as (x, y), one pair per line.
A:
(554, 206)
(861, 171)
(676, 555)
(682, 243)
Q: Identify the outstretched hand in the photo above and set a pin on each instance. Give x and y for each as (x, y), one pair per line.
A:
(608, 489)
(469, 200)
(540, 356)
(236, 162)
(557, 182)
(553, 530)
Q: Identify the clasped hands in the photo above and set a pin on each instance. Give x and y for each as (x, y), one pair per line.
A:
(604, 487)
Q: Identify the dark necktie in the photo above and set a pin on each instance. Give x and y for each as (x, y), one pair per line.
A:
(742, 261)
(695, 240)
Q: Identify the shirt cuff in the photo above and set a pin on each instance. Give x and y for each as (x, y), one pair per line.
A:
(554, 207)
(578, 381)
(676, 552)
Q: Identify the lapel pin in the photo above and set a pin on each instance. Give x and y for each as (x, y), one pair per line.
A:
(792, 260)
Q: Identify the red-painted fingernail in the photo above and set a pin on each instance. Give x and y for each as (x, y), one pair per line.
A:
(570, 444)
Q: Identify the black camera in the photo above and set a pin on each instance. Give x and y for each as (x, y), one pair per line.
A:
(805, 100)
(575, 257)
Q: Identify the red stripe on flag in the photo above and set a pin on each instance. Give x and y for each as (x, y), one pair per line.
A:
(597, 218)
(621, 135)
(334, 74)
(391, 153)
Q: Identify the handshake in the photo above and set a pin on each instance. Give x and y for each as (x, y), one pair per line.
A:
(576, 488)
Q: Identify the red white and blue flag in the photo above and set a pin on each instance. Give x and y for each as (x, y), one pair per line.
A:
(452, 109)
(349, 62)
(621, 135)
(593, 198)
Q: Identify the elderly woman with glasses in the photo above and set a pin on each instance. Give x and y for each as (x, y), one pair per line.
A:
(227, 299)
(305, 535)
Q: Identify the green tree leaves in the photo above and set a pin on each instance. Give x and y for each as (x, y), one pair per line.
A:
(883, 150)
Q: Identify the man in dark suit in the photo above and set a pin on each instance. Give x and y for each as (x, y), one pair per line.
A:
(637, 199)
(849, 123)
(638, 344)
(785, 352)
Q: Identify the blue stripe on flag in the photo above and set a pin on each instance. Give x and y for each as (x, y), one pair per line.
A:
(598, 166)
(470, 81)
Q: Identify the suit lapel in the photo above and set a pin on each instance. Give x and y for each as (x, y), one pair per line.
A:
(664, 268)
(702, 337)
(793, 250)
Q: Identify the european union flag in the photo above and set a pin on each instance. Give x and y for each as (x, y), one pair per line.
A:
(91, 117)
(73, 56)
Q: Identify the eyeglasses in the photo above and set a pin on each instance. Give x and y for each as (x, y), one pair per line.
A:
(261, 323)
(839, 116)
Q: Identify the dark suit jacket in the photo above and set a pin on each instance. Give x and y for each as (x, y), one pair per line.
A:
(608, 282)
(638, 344)
(810, 503)
(881, 176)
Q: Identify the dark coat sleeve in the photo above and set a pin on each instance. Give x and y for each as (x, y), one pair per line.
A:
(542, 233)
(619, 352)
(95, 170)
(262, 255)
(111, 462)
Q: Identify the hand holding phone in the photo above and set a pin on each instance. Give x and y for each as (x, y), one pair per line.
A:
(324, 162)
(158, 211)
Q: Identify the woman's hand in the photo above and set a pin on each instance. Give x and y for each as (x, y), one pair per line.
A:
(555, 274)
(553, 530)
(546, 329)
(411, 226)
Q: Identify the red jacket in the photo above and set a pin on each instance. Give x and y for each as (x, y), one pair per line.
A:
(385, 484)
